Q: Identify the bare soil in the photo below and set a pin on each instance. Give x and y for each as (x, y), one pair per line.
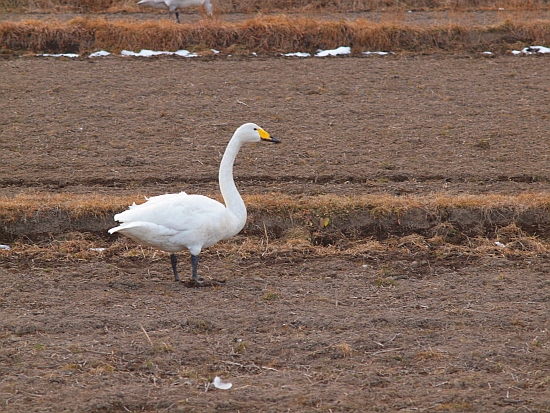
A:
(406, 327)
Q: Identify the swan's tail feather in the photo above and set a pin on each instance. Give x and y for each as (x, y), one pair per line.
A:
(143, 227)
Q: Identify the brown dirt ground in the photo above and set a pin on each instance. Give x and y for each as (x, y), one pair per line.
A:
(320, 329)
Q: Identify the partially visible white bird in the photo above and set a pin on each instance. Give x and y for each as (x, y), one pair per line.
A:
(174, 5)
(173, 222)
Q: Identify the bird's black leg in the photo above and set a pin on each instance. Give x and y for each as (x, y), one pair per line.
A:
(178, 17)
(195, 263)
(174, 261)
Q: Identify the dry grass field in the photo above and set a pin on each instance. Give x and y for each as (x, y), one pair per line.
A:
(396, 254)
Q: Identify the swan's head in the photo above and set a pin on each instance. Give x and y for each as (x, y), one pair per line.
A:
(250, 132)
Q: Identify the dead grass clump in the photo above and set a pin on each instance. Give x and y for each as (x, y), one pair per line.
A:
(413, 242)
(28, 205)
(77, 246)
(36, 36)
(519, 247)
(296, 238)
(343, 350)
(493, 201)
(509, 233)
(528, 244)
(514, 238)
(384, 282)
(270, 295)
(444, 231)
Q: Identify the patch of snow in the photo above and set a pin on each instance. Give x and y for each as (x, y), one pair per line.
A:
(142, 53)
(378, 53)
(97, 249)
(71, 55)
(536, 49)
(4, 247)
(149, 53)
(342, 50)
(101, 53)
(532, 50)
(488, 53)
(500, 244)
(297, 54)
(185, 53)
(214, 51)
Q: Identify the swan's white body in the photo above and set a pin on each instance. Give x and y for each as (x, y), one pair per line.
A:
(174, 5)
(173, 222)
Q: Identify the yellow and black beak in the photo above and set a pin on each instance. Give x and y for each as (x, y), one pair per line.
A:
(266, 137)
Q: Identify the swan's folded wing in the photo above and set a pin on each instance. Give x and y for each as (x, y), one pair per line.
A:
(134, 211)
(175, 211)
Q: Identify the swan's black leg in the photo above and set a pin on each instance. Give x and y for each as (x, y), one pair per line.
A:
(178, 17)
(195, 263)
(174, 261)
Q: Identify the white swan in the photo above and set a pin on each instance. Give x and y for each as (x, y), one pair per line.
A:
(173, 222)
(174, 5)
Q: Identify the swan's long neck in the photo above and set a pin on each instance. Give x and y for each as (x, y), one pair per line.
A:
(231, 196)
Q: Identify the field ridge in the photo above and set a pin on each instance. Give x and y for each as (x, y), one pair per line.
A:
(326, 218)
(266, 35)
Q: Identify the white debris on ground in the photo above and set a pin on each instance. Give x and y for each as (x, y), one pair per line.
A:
(101, 53)
(298, 54)
(342, 50)
(532, 50)
(71, 55)
(377, 53)
(4, 247)
(222, 385)
(149, 53)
